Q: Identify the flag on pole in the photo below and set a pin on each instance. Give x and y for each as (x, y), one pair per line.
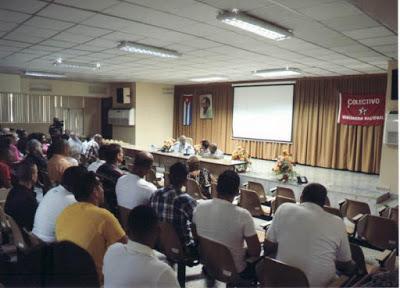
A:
(187, 109)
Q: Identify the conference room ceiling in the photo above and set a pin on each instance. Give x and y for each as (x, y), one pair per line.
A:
(331, 37)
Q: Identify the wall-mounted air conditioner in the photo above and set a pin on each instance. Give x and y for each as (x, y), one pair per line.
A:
(121, 117)
(391, 134)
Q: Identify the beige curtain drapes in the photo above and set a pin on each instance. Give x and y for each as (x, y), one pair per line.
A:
(317, 138)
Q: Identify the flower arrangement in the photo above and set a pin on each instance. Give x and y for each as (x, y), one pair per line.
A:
(241, 154)
(284, 167)
(167, 145)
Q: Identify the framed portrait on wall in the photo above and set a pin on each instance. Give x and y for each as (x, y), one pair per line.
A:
(206, 108)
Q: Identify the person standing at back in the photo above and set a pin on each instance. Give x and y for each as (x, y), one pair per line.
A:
(135, 264)
(133, 190)
(234, 226)
(87, 225)
(307, 237)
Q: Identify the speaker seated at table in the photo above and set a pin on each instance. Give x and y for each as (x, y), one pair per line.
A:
(183, 146)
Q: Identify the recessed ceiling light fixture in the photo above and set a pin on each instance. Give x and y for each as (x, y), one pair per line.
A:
(148, 50)
(44, 74)
(279, 72)
(208, 79)
(254, 25)
(76, 65)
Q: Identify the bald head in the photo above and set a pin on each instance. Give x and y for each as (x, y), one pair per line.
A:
(142, 163)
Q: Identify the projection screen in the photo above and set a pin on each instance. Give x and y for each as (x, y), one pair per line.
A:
(263, 112)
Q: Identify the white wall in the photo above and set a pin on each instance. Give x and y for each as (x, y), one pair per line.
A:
(154, 113)
(389, 173)
(10, 83)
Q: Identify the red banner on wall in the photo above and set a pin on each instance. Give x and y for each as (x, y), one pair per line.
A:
(362, 110)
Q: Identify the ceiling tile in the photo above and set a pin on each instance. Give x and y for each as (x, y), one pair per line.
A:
(58, 43)
(330, 10)
(71, 37)
(14, 17)
(25, 6)
(89, 31)
(47, 23)
(372, 32)
(7, 26)
(351, 22)
(65, 13)
(379, 41)
(35, 31)
(22, 37)
(97, 5)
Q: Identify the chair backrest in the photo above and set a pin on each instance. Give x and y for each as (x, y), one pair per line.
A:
(218, 260)
(189, 140)
(123, 216)
(327, 201)
(152, 178)
(351, 208)
(273, 273)
(250, 201)
(285, 192)
(193, 189)
(18, 238)
(391, 213)
(258, 187)
(169, 243)
(379, 232)
(279, 200)
(214, 193)
(332, 210)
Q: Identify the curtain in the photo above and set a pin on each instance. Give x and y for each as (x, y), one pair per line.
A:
(317, 138)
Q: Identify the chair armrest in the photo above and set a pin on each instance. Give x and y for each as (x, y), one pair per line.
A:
(383, 256)
(273, 190)
(265, 226)
(357, 217)
(245, 185)
(341, 202)
(380, 211)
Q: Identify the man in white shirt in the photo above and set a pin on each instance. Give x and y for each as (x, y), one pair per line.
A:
(307, 237)
(54, 202)
(75, 145)
(133, 190)
(181, 146)
(135, 264)
(221, 221)
(215, 153)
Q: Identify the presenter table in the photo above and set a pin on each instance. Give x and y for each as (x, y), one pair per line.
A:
(166, 159)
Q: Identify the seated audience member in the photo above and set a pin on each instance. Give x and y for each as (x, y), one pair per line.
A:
(54, 202)
(14, 152)
(234, 226)
(60, 160)
(5, 172)
(58, 264)
(35, 154)
(21, 203)
(307, 237)
(181, 146)
(92, 147)
(201, 175)
(41, 137)
(215, 152)
(135, 264)
(109, 172)
(176, 207)
(75, 145)
(86, 224)
(204, 151)
(99, 161)
(133, 190)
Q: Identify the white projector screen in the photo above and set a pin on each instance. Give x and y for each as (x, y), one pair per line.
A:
(263, 112)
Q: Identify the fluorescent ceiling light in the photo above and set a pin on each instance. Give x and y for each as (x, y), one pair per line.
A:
(208, 79)
(76, 65)
(278, 72)
(148, 50)
(254, 25)
(44, 74)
